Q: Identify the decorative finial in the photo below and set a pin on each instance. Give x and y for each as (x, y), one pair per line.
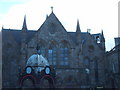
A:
(88, 30)
(102, 31)
(46, 16)
(52, 8)
(2, 27)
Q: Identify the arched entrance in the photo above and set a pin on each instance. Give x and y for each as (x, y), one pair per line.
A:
(47, 82)
(28, 81)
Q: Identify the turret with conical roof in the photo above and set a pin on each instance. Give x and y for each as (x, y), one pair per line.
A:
(78, 33)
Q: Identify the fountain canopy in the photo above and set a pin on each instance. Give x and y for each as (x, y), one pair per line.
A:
(37, 62)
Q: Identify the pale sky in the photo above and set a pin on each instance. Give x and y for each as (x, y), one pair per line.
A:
(96, 15)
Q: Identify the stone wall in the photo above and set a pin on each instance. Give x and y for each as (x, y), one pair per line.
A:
(81, 67)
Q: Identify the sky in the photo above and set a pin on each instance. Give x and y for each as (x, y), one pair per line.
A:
(96, 15)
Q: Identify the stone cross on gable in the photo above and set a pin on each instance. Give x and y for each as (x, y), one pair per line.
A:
(52, 8)
(88, 30)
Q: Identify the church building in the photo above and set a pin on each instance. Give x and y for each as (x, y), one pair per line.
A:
(77, 57)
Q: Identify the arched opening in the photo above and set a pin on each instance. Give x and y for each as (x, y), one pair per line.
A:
(98, 39)
(47, 82)
(27, 81)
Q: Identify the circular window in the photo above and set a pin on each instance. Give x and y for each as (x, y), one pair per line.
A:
(28, 70)
(47, 70)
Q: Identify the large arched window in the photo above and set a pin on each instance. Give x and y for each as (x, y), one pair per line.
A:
(64, 53)
(52, 54)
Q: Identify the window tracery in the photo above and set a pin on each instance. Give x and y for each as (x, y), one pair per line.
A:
(64, 53)
(52, 54)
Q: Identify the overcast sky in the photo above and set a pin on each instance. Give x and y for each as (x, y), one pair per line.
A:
(96, 15)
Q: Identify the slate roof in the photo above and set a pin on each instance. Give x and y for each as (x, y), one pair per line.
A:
(17, 34)
(73, 36)
(97, 34)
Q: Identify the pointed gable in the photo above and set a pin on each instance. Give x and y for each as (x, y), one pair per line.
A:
(52, 29)
(53, 24)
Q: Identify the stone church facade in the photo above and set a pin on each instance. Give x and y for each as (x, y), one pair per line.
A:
(77, 57)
